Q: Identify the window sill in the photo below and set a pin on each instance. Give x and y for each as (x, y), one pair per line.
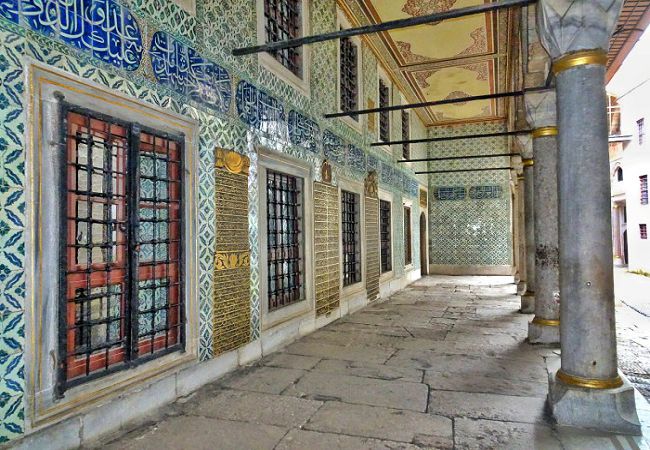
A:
(85, 396)
(286, 314)
(271, 64)
(351, 290)
(349, 121)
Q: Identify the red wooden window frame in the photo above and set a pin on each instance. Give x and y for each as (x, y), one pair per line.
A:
(122, 147)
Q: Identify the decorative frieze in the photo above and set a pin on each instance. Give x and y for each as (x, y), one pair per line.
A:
(326, 247)
(232, 313)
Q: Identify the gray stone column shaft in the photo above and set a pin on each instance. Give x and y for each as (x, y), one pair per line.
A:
(588, 328)
(547, 273)
(521, 241)
(544, 329)
(528, 299)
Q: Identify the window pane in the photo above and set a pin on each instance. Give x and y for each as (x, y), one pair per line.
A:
(349, 80)
(284, 231)
(408, 256)
(282, 21)
(384, 236)
(159, 315)
(384, 116)
(351, 237)
(95, 260)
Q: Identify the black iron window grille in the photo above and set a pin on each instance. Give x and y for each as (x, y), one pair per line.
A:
(284, 234)
(121, 261)
(643, 182)
(282, 21)
(384, 236)
(349, 82)
(408, 249)
(351, 237)
(406, 135)
(384, 116)
(643, 231)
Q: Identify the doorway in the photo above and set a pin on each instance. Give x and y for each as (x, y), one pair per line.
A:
(424, 264)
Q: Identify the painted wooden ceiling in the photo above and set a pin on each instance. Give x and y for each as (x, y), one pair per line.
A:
(450, 59)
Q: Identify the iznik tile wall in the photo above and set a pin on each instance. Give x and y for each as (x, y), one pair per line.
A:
(238, 103)
(469, 212)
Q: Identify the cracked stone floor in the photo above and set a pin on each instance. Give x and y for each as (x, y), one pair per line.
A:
(441, 365)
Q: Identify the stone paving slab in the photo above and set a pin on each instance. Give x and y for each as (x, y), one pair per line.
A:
(487, 406)
(359, 352)
(311, 440)
(361, 369)
(253, 407)
(382, 423)
(469, 365)
(201, 433)
(476, 382)
(291, 361)
(472, 434)
(360, 390)
(272, 380)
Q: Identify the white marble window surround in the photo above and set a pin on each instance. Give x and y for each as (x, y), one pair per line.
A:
(382, 76)
(409, 204)
(269, 62)
(342, 22)
(357, 188)
(281, 163)
(46, 86)
(387, 276)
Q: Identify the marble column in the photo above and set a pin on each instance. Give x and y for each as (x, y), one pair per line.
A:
(521, 241)
(541, 112)
(528, 298)
(587, 390)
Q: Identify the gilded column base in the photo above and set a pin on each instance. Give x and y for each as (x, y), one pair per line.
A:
(609, 409)
(588, 383)
(544, 331)
(528, 303)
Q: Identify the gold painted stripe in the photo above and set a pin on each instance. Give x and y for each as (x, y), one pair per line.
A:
(589, 383)
(544, 132)
(582, 58)
(546, 322)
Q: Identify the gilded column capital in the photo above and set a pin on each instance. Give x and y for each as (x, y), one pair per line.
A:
(572, 26)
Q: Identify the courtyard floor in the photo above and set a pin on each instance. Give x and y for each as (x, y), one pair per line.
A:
(443, 364)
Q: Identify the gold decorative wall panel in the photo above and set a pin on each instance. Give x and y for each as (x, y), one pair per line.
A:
(372, 247)
(326, 247)
(232, 312)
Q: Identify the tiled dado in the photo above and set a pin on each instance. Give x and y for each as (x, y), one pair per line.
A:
(327, 213)
(231, 309)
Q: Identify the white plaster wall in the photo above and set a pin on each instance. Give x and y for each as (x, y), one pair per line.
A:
(631, 85)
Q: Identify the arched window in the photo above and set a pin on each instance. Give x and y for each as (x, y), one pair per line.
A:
(618, 173)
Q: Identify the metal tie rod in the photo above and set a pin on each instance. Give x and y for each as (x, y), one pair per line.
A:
(451, 138)
(464, 170)
(385, 26)
(449, 158)
(448, 101)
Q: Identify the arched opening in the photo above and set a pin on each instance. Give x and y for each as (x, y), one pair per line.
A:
(618, 173)
(424, 264)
